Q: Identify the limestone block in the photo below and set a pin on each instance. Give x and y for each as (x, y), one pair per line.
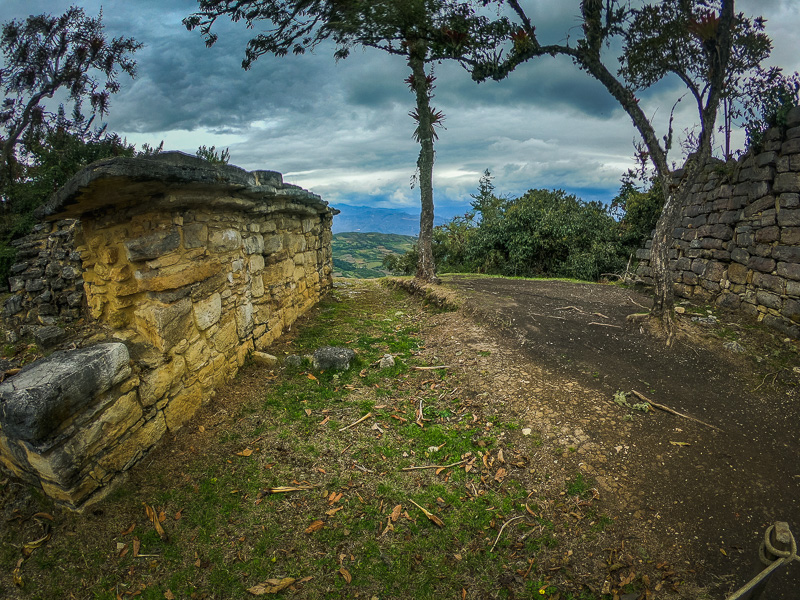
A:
(256, 263)
(164, 325)
(36, 403)
(73, 496)
(195, 235)
(242, 352)
(225, 337)
(152, 245)
(176, 276)
(264, 359)
(183, 407)
(791, 310)
(244, 320)
(333, 357)
(134, 446)
(254, 244)
(197, 356)
(155, 384)
(224, 240)
(257, 286)
(768, 299)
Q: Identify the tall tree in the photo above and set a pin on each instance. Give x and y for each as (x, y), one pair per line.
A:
(704, 43)
(45, 54)
(421, 31)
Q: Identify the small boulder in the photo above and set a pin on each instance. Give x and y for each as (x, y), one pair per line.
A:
(333, 357)
(387, 361)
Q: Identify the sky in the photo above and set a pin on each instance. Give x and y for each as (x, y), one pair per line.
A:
(342, 130)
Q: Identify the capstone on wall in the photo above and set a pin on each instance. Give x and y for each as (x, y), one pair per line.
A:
(187, 267)
(738, 243)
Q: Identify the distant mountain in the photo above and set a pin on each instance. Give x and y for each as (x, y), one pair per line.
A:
(360, 255)
(368, 219)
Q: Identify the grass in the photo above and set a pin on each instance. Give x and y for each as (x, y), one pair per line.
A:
(489, 533)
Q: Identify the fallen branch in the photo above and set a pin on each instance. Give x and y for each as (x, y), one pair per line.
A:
(672, 411)
(289, 488)
(364, 418)
(430, 368)
(547, 316)
(636, 303)
(605, 324)
(570, 308)
(461, 462)
(428, 514)
(501, 530)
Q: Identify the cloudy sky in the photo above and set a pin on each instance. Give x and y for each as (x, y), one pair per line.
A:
(342, 129)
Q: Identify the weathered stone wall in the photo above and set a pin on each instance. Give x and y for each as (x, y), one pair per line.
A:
(47, 280)
(190, 267)
(738, 243)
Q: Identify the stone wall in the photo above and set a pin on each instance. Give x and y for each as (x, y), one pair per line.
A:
(47, 280)
(188, 267)
(738, 243)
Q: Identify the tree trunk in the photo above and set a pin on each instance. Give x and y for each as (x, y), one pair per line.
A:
(425, 267)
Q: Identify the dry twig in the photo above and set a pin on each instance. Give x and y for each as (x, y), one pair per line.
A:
(671, 411)
(364, 418)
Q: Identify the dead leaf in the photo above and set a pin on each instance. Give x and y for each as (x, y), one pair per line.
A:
(130, 529)
(124, 552)
(308, 412)
(154, 519)
(311, 377)
(680, 443)
(178, 515)
(315, 526)
(463, 594)
(271, 586)
(429, 514)
(333, 511)
(162, 516)
(500, 456)
(201, 429)
(500, 475)
(168, 595)
(396, 511)
(44, 515)
(246, 452)
(136, 546)
(346, 574)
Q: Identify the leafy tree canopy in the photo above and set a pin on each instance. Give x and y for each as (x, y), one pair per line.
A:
(45, 54)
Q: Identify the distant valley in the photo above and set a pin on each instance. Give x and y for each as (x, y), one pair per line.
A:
(367, 219)
(360, 255)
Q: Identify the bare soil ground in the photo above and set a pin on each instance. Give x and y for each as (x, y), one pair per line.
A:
(568, 348)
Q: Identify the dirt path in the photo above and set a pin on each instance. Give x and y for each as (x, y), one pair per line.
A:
(710, 499)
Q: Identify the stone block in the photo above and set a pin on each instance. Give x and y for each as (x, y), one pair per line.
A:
(699, 265)
(254, 244)
(207, 311)
(224, 240)
(244, 320)
(690, 278)
(182, 408)
(197, 356)
(333, 358)
(737, 273)
(152, 245)
(768, 282)
(164, 325)
(768, 299)
(195, 235)
(786, 253)
(155, 384)
(789, 218)
(790, 147)
(789, 200)
(714, 271)
(768, 234)
(791, 310)
(759, 205)
(256, 263)
(49, 393)
(264, 359)
(789, 270)
(134, 446)
(729, 301)
(758, 263)
(176, 276)
(226, 336)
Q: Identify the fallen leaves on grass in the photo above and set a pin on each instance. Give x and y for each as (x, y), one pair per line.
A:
(346, 574)
(29, 547)
(680, 443)
(246, 452)
(271, 586)
(130, 529)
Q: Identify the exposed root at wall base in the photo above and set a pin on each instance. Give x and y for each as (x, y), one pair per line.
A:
(434, 295)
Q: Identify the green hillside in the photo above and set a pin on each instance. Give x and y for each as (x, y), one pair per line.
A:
(360, 255)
